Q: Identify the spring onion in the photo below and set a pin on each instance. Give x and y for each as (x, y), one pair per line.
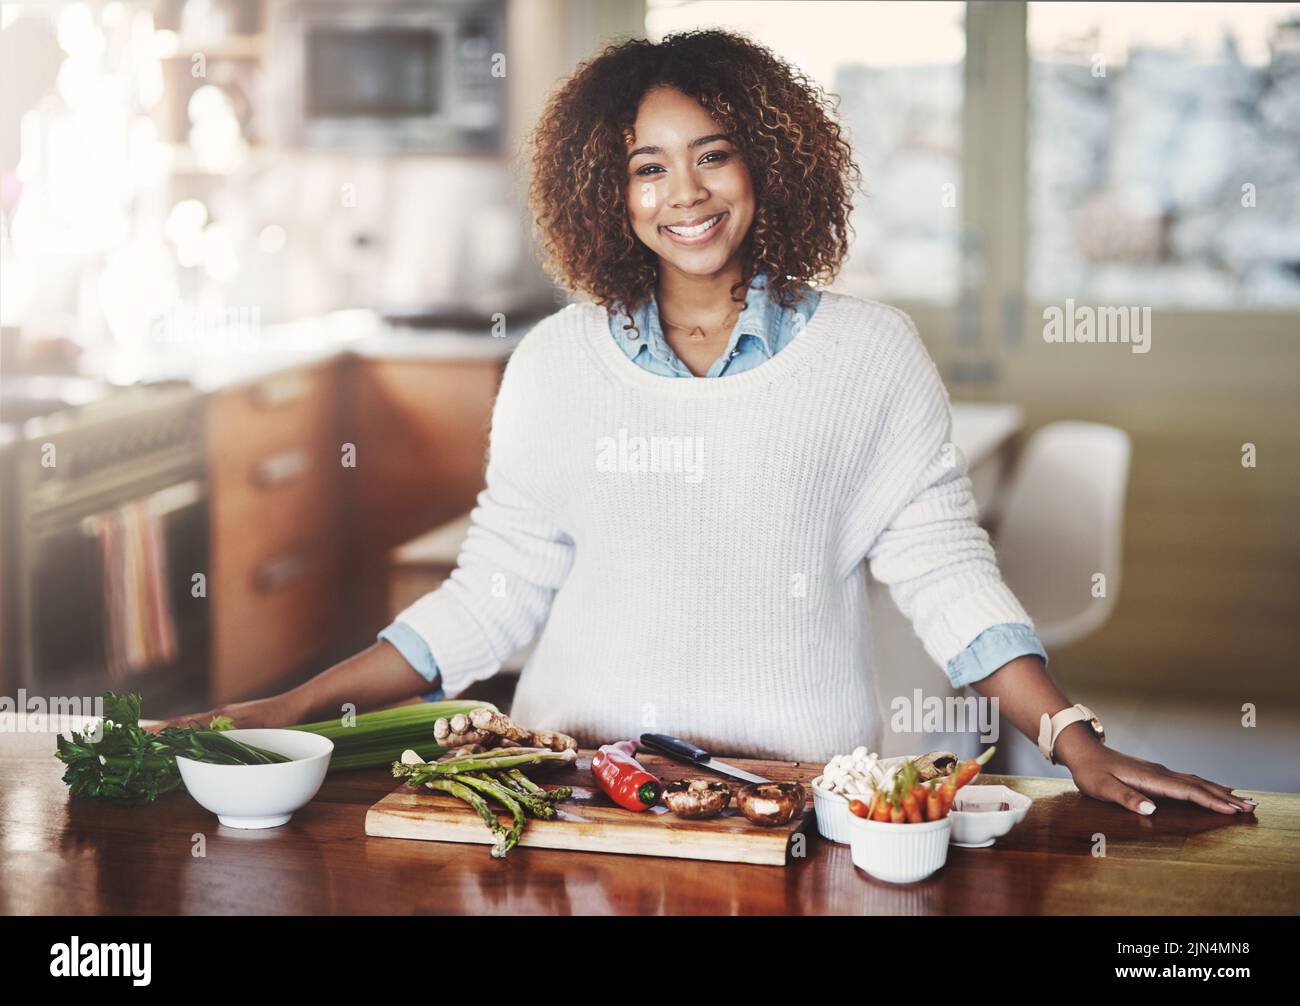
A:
(371, 740)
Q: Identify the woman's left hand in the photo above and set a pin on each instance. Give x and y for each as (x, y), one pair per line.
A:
(1106, 774)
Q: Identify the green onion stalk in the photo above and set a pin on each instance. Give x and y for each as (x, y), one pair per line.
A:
(371, 740)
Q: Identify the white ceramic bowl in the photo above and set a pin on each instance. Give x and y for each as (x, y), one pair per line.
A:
(260, 796)
(832, 809)
(977, 829)
(899, 853)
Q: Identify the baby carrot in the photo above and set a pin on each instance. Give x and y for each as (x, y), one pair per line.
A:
(912, 807)
(880, 808)
(934, 809)
(964, 772)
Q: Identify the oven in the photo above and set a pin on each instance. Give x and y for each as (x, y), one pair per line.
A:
(140, 454)
(388, 76)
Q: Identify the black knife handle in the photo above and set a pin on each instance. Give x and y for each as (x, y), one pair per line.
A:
(676, 747)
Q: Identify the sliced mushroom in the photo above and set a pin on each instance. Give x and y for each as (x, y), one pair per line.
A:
(696, 798)
(935, 764)
(771, 803)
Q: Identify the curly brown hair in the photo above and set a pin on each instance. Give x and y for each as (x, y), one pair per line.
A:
(783, 124)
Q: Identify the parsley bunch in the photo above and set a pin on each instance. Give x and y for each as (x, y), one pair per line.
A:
(117, 760)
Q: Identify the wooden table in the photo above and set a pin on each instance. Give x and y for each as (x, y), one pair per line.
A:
(59, 856)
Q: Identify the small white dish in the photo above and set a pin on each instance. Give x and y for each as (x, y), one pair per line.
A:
(899, 853)
(978, 829)
(832, 809)
(260, 796)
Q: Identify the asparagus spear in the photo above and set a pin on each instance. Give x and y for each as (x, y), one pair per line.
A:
(522, 782)
(527, 785)
(462, 792)
(487, 761)
(499, 793)
(530, 801)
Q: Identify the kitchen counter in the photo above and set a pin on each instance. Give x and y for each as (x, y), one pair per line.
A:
(361, 333)
(59, 856)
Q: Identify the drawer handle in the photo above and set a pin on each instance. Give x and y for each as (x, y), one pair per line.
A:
(274, 573)
(287, 466)
(280, 390)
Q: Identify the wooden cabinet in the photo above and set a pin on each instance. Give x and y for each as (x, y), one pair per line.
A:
(277, 558)
(300, 540)
(421, 431)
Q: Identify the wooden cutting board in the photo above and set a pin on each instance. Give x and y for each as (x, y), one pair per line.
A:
(590, 822)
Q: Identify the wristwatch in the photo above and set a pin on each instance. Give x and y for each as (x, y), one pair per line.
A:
(1050, 728)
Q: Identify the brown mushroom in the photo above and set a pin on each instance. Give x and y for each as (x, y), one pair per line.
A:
(696, 798)
(935, 765)
(771, 803)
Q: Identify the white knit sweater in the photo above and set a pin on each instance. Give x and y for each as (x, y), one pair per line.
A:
(694, 548)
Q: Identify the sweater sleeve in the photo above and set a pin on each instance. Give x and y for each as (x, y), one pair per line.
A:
(917, 518)
(514, 558)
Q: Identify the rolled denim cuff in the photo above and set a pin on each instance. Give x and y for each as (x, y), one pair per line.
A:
(995, 646)
(415, 652)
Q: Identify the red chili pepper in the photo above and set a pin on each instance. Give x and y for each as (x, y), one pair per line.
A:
(622, 778)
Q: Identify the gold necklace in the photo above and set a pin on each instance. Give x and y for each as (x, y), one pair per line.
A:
(696, 333)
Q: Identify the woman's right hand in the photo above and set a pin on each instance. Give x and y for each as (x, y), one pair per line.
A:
(277, 711)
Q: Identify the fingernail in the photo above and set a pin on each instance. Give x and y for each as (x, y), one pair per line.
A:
(1146, 807)
(1249, 799)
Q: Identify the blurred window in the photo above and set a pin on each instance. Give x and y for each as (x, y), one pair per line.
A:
(1165, 154)
(898, 70)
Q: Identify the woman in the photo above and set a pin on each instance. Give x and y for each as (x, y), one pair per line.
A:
(686, 475)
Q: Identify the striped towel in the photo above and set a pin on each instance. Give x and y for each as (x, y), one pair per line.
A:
(139, 627)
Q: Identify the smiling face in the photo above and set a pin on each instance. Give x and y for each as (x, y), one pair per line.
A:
(689, 194)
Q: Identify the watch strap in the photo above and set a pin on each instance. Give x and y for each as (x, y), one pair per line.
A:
(1050, 727)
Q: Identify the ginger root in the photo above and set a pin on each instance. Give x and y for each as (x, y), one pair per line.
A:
(467, 749)
(554, 740)
(457, 732)
(503, 726)
(489, 727)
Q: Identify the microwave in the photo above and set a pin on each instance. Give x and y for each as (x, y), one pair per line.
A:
(388, 76)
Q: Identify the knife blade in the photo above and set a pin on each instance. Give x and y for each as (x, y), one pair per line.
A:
(675, 747)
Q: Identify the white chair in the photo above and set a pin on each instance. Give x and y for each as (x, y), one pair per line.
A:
(1062, 523)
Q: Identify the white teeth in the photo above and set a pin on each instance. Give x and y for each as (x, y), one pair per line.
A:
(696, 231)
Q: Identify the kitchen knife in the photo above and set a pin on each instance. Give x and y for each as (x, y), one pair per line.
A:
(675, 747)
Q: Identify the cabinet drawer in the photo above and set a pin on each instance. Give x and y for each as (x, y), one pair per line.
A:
(283, 412)
(273, 611)
(279, 496)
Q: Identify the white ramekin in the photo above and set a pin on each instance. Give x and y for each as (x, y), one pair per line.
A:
(832, 809)
(832, 812)
(980, 829)
(899, 853)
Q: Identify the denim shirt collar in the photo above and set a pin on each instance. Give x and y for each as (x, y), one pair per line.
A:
(760, 320)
